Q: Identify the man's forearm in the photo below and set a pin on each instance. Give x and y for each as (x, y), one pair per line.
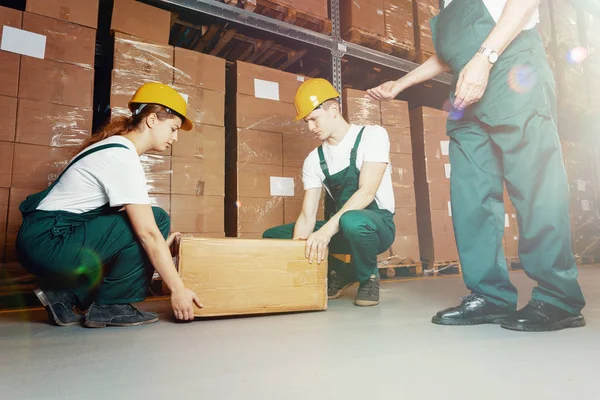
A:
(516, 15)
(304, 226)
(423, 73)
(359, 201)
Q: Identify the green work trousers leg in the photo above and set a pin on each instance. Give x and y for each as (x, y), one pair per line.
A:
(525, 153)
(100, 260)
(363, 234)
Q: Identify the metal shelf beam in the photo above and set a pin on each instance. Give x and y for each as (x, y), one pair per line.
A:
(338, 47)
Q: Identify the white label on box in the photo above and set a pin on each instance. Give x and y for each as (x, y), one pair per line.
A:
(185, 97)
(300, 78)
(266, 89)
(506, 221)
(282, 186)
(445, 145)
(23, 42)
(450, 208)
(380, 12)
(448, 170)
(585, 205)
(580, 185)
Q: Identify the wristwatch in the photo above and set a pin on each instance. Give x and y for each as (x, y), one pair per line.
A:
(490, 54)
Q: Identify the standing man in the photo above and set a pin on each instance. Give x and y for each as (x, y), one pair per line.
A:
(502, 129)
(353, 165)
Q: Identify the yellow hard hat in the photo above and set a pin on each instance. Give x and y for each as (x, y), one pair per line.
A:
(311, 94)
(164, 95)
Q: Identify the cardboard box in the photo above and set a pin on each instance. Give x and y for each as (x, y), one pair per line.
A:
(428, 120)
(400, 140)
(366, 15)
(399, 21)
(141, 57)
(198, 177)
(258, 147)
(293, 207)
(444, 248)
(423, 11)
(405, 220)
(122, 88)
(359, 110)
(81, 12)
(256, 215)
(267, 115)
(36, 167)
(437, 150)
(319, 8)
(8, 118)
(394, 113)
(406, 248)
(9, 73)
(254, 180)
(10, 17)
(158, 173)
(65, 41)
(439, 195)
(163, 201)
(6, 163)
(265, 83)
(56, 82)
(441, 223)
(295, 173)
(204, 142)
(403, 180)
(204, 106)
(53, 125)
(240, 277)
(199, 70)
(297, 147)
(3, 211)
(192, 214)
(142, 20)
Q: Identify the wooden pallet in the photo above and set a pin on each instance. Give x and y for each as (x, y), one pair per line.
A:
(397, 266)
(285, 12)
(379, 43)
(442, 268)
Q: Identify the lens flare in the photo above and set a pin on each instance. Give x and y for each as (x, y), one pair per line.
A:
(522, 78)
(577, 55)
(454, 113)
(238, 204)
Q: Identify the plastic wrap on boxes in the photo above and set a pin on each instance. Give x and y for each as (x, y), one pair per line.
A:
(142, 20)
(399, 22)
(395, 113)
(36, 167)
(81, 12)
(140, 57)
(259, 147)
(204, 142)
(200, 70)
(267, 115)
(53, 125)
(424, 11)
(362, 16)
(158, 173)
(198, 177)
(192, 214)
(359, 109)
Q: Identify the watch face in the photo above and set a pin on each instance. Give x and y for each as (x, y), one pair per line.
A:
(493, 57)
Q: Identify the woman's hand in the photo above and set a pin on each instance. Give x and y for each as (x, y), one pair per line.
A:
(182, 302)
(171, 239)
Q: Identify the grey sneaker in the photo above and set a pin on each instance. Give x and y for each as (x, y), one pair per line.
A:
(368, 292)
(337, 282)
(61, 306)
(103, 315)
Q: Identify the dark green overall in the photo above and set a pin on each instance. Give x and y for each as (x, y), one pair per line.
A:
(95, 255)
(509, 136)
(363, 233)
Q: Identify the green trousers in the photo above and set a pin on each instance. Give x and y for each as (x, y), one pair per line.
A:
(99, 259)
(363, 234)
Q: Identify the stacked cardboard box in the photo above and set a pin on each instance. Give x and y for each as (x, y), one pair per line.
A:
(49, 93)
(432, 185)
(585, 222)
(265, 150)
(394, 117)
(319, 8)
(423, 11)
(511, 230)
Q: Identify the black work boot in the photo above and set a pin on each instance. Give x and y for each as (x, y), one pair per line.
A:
(338, 281)
(539, 316)
(473, 310)
(60, 305)
(103, 315)
(368, 292)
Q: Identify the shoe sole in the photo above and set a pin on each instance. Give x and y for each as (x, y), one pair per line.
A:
(571, 322)
(488, 319)
(365, 303)
(39, 293)
(339, 292)
(96, 324)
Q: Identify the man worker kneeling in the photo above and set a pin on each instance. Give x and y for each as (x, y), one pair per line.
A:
(353, 165)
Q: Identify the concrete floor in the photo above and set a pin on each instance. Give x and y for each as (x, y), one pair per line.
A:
(384, 352)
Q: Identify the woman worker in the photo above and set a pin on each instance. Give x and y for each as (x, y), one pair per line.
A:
(92, 236)
(503, 130)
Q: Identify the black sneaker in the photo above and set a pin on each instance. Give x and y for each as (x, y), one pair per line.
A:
(61, 306)
(539, 316)
(337, 282)
(473, 310)
(103, 315)
(368, 292)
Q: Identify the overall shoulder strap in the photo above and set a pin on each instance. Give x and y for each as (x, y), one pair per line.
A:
(356, 144)
(88, 152)
(323, 163)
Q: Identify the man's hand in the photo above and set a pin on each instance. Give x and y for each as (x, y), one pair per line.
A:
(386, 91)
(472, 82)
(172, 237)
(182, 302)
(316, 245)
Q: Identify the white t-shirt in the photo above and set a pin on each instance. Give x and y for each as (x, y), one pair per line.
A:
(374, 147)
(114, 175)
(495, 7)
